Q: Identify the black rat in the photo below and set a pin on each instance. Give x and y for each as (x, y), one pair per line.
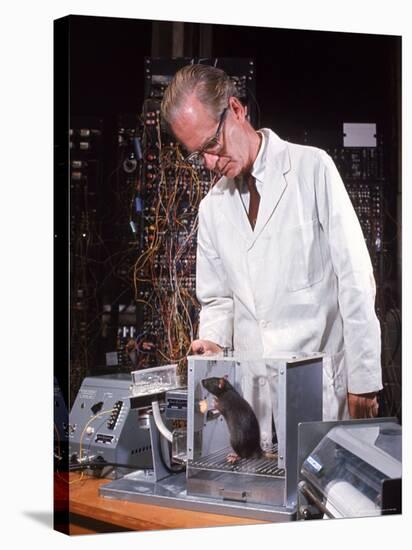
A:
(240, 418)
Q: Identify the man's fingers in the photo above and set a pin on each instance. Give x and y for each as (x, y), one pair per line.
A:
(363, 407)
(205, 347)
(374, 410)
(197, 347)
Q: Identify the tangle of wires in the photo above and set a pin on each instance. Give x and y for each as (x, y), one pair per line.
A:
(164, 272)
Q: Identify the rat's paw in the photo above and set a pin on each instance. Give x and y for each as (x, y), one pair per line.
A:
(203, 406)
(232, 458)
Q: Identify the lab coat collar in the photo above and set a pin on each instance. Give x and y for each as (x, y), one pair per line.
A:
(258, 169)
(277, 164)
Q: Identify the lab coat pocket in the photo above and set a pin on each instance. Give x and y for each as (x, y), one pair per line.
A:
(305, 266)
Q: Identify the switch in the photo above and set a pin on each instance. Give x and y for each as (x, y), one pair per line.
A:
(97, 407)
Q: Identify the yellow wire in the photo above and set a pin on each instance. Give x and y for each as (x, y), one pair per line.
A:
(81, 439)
(171, 300)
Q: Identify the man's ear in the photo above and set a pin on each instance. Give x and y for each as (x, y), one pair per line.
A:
(238, 110)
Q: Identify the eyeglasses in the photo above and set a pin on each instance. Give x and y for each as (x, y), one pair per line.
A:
(210, 146)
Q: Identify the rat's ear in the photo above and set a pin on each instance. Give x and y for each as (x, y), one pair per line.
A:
(221, 383)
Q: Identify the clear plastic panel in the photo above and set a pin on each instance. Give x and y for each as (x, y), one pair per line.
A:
(179, 445)
(155, 380)
(211, 471)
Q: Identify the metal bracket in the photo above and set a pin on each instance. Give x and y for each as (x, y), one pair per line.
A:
(159, 470)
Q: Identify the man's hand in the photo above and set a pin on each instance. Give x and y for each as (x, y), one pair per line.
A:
(205, 347)
(363, 405)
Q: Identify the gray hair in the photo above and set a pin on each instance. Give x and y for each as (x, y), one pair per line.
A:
(211, 86)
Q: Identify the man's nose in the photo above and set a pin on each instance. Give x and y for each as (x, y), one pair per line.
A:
(210, 161)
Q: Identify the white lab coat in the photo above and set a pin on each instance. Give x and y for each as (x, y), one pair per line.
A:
(301, 281)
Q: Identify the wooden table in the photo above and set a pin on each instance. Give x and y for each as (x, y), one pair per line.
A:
(91, 513)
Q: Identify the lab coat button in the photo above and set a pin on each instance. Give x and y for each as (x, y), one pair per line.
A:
(263, 324)
(262, 380)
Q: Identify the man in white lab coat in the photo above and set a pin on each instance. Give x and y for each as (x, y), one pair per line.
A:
(281, 262)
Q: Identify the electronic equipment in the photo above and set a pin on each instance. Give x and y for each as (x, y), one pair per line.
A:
(176, 404)
(316, 469)
(103, 429)
(85, 242)
(256, 488)
(350, 468)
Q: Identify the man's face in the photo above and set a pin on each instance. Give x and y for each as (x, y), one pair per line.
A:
(194, 127)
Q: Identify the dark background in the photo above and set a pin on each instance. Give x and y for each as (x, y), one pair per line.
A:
(306, 81)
